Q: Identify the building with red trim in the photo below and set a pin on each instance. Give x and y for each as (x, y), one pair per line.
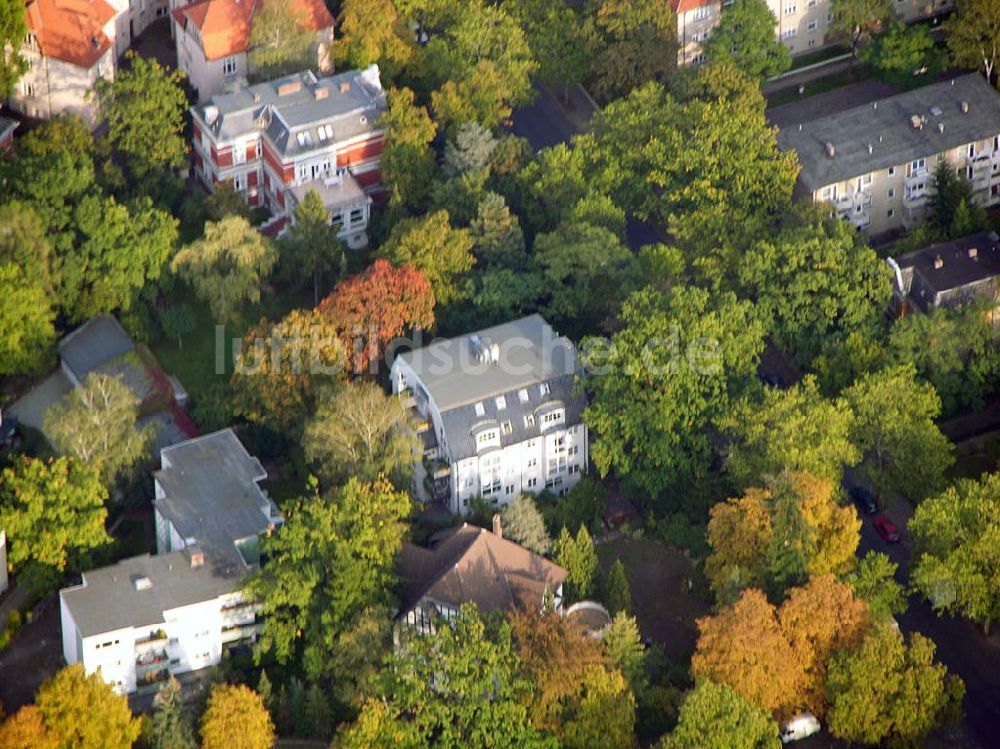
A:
(277, 141)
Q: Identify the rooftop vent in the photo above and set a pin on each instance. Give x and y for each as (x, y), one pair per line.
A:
(830, 150)
(915, 121)
(936, 111)
(256, 97)
(484, 351)
(940, 127)
(321, 92)
(211, 114)
(345, 86)
(874, 105)
(870, 149)
(938, 262)
(965, 107)
(142, 582)
(973, 252)
(289, 88)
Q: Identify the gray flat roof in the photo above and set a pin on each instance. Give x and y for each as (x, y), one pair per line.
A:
(95, 343)
(960, 268)
(530, 352)
(885, 126)
(349, 102)
(108, 599)
(212, 496)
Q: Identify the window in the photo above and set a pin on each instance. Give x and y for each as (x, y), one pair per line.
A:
(892, 193)
(489, 436)
(28, 89)
(304, 138)
(357, 216)
(864, 181)
(508, 489)
(480, 410)
(522, 395)
(240, 182)
(972, 150)
(325, 132)
(302, 172)
(239, 154)
(543, 389)
(890, 213)
(501, 403)
(532, 462)
(789, 33)
(790, 10)
(533, 482)
(812, 24)
(916, 166)
(812, 43)
(506, 428)
(892, 171)
(553, 417)
(229, 66)
(529, 420)
(700, 14)
(811, 3)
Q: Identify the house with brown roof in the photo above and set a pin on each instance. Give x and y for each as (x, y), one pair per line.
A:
(213, 39)
(471, 565)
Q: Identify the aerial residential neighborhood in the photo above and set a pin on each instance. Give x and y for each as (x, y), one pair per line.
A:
(499, 374)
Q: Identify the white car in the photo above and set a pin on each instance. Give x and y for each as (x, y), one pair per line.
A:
(801, 726)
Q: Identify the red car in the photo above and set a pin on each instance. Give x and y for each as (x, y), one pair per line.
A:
(886, 529)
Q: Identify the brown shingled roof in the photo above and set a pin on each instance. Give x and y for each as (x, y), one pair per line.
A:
(472, 565)
(70, 30)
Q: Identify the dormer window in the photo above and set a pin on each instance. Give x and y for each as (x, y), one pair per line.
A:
(325, 132)
(529, 420)
(506, 428)
(501, 403)
(480, 410)
(543, 389)
(304, 139)
(522, 395)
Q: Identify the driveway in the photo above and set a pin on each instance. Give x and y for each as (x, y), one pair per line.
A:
(31, 408)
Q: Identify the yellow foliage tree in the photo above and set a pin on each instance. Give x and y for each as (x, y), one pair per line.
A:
(26, 730)
(739, 533)
(84, 711)
(236, 716)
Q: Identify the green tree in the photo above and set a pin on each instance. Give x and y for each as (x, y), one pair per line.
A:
(51, 509)
(894, 429)
(604, 716)
(874, 581)
(579, 558)
(317, 712)
(905, 55)
(459, 687)
(560, 40)
(553, 183)
(311, 244)
(144, 107)
(714, 716)
(855, 19)
(795, 429)
(430, 244)
(470, 150)
(618, 596)
(85, 712)
(952, 195)
(745, 39)
(523, 524)
(625, 650)
(372, 31)
(379, 725)
(170, 728)
(228, 266)
(504, 294)
(635, 42)
(331, 563)
(96, 423)
(176, 321)
(496, 234)
(236, 716)
(13, 32)
(583, 268)
(281, 40)
(889, 693)
(973, 34)
(408, 163)
(359, 431)
(24, 244)
(26, 323)
(817, 280)
(668, 374)
(955, 534)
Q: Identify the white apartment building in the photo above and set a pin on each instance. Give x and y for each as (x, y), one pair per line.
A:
(145, 618)
(500, 413)
(276, 141)
(213, 39)
(695, 21)
(875, 163)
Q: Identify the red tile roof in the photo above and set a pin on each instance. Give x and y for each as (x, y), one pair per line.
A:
(682, 6)
(71, 30)
(224, 25)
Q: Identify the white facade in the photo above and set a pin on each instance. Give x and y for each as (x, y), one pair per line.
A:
(52, 86)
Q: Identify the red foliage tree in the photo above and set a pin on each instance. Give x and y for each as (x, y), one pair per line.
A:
(372, 308)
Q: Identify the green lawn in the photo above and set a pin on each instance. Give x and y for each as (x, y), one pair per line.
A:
(820, 85)
(205, 356)
(827, 53)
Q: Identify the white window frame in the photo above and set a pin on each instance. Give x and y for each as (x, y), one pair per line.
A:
(229, 66)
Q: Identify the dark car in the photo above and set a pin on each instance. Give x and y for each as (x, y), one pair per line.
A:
(863, 499)
(886, 529)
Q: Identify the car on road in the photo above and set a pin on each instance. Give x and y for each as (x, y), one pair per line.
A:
(863, 499)
(886, 529)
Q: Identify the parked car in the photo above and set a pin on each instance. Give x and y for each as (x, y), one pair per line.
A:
(886, 529)
(801, 726)
(863, 499)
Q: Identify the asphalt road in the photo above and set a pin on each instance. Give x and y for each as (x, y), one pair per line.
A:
(961, 646)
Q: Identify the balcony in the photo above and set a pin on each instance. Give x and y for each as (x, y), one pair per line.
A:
(157, 637)
(239, 632)
(152, 660)
(151, 680)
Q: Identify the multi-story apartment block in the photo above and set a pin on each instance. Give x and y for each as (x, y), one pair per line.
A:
(695, 21)
(148, 617)
(801, 24)
(875, 163)
(499, 414)
(213, 38)
(276, 141)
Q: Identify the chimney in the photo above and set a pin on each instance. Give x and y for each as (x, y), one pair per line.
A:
(874, 105)
(973, 252)
(940, 127)
(321, 92)
(497, 527)
(196, 556)
(965, 107)
(938, 262)
(256, 97)
(345, 86)
(915, 121)
(142, 582)
(870, 149)
(830, 150)
(289, 88)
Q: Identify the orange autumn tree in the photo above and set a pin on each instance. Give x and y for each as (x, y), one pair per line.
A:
(25, 729)
(372, 308)
(745, 647)
(819, 618)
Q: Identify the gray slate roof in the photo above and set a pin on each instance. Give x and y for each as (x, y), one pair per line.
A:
(108, 599)
(211, 495)
(95, 343)
(960, 278)
(350, 113)
(530, 354)
(886, 127)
